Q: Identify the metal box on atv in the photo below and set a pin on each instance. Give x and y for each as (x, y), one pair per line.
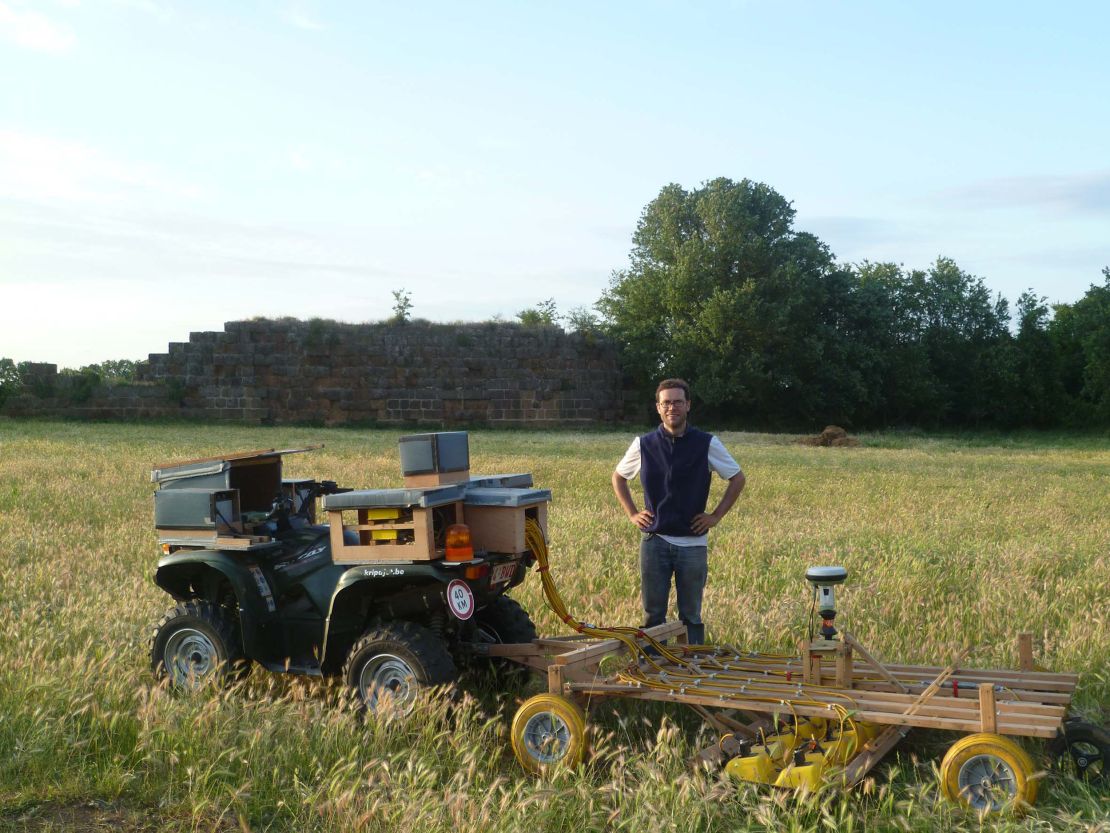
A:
(394, 592)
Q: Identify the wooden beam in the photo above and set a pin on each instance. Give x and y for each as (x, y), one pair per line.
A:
(874, 663)
(844, 666)
(1025, 651)
(871, 754)
(988, 717)
(937, 683)
(555, 680)
(608, 646)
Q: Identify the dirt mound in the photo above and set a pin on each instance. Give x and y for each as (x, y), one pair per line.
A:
(833, 436)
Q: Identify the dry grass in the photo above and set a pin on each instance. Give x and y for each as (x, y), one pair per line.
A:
(947, 541)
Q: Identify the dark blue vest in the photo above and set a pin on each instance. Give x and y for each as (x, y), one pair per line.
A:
(675, 474)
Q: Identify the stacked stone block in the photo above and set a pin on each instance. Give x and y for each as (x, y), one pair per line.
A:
(272, 372)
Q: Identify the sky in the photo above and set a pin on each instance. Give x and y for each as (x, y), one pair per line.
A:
(166, 166)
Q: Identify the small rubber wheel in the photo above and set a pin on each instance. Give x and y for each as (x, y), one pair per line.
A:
(393, 663)
(988, 773)
(197, 643)
(1085, 749)
(548, 732)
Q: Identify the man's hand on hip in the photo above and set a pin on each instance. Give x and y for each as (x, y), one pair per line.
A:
(703, 522)
(642, 519)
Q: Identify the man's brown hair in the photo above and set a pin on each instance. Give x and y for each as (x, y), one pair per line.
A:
(667, 384)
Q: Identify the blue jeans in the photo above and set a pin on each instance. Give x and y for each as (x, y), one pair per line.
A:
(659, 560)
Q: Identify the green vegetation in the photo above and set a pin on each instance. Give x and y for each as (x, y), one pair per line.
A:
(771, 330)
(948, 542)
(75, 385)
(402, 306)
(543, 314)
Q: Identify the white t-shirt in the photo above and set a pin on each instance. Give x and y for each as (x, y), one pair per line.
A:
(720, 461)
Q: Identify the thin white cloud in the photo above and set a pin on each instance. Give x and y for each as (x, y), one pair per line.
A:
(33, 30)
(299, 17)
(147, 6)
(300, 160)
(35, 167)
(1084, 194)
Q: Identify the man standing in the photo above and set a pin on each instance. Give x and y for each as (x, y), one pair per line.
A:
(674, 463)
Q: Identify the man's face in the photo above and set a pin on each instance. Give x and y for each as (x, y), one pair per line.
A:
(673, 407)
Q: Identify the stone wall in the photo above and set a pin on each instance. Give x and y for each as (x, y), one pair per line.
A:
(271, 372)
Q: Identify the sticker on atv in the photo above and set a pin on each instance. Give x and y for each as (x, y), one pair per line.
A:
(460, 599)
(263, 588)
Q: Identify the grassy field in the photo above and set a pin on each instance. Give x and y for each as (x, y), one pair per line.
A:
(948, 542)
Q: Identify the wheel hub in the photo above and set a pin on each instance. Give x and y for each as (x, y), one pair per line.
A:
(547, 737)
(987, 782)
(387, 682)
(190, 658)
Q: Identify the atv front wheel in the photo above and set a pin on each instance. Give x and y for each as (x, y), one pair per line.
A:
(196, 644)
(390, 665)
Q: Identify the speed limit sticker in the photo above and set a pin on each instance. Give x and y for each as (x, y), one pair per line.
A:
(460, 599)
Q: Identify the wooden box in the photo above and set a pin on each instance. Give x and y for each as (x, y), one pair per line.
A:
(392, 524)
(501, 528)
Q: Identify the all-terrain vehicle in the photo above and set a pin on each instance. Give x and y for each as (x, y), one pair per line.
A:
(398, 589)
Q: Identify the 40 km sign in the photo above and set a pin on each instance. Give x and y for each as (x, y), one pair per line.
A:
(460, 599)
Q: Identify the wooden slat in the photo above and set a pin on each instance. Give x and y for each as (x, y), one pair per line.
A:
(874, 663)
(997, 674)
(238, 455)
(513, 650)
(1011, 694)
(887, 702)
(568, 643)
(929, 671)
(1040, 728)
(1027, 681)
(884, 701)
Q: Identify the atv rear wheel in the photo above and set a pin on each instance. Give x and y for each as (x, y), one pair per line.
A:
(393, 662)
(504, 622)
(196, 644)
(1084, 749)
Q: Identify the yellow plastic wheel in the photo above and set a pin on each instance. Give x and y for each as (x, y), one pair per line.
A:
(548, 731)
(988, 772)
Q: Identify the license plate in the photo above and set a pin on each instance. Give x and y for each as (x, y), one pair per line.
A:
(502, 572)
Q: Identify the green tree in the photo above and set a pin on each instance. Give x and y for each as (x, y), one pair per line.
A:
(10, 380)
(402, 306)
(543, 314)
(1081, 334)
(1039, 398)
(722, 291)
(937, 338)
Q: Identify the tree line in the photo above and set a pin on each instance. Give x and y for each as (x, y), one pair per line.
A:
(772, 331)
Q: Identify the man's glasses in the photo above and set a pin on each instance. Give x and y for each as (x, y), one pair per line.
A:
(673, 406)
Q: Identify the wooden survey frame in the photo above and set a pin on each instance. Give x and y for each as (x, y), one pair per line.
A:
(1024, 703)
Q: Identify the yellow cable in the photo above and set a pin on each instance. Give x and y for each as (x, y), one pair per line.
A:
(714, 657)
